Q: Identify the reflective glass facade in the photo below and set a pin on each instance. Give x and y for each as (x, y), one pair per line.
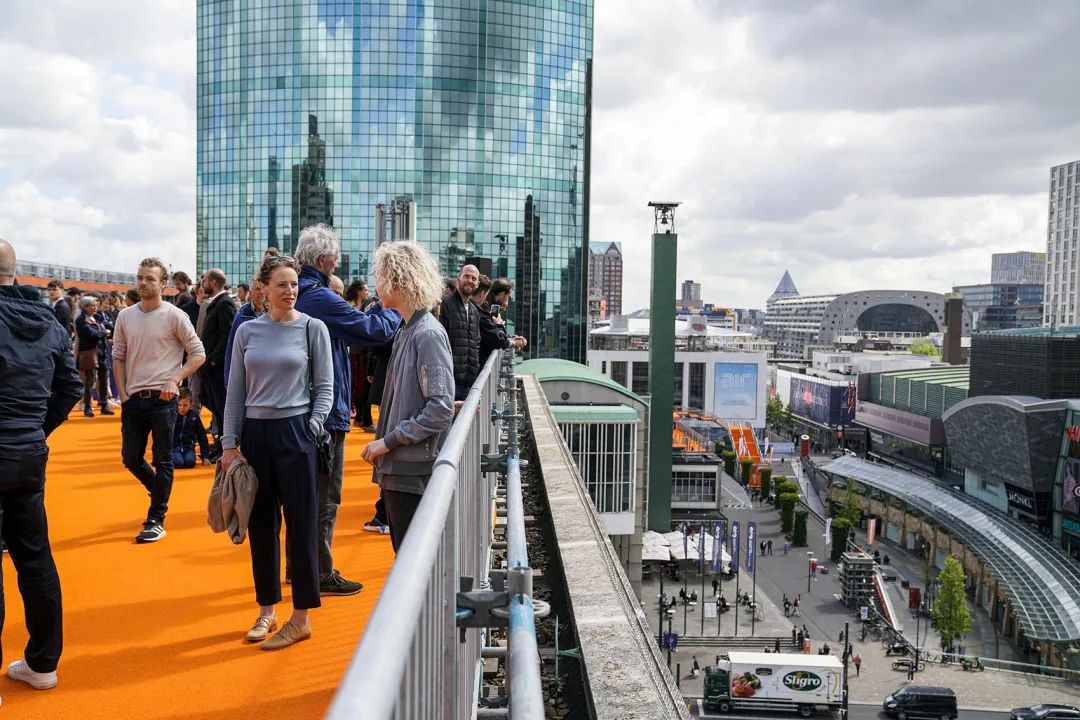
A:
(470, 114)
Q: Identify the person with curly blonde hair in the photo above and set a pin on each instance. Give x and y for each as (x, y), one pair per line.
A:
(417, 405)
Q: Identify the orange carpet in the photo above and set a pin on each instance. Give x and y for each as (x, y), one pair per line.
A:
(157, 631)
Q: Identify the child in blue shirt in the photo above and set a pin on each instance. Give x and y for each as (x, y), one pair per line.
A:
(187, 431)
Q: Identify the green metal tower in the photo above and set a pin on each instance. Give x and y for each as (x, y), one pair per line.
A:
(665, 245)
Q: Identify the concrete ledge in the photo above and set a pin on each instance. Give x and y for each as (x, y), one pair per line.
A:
(627, 677)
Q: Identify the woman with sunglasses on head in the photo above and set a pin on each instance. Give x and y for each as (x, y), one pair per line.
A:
(280, 392)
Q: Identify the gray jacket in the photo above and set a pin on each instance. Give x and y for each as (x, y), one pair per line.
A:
(418, 401)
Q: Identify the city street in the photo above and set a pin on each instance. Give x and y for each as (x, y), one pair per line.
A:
(824, 616)
(855, 712)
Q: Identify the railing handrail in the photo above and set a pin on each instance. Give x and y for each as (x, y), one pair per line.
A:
(372, 682)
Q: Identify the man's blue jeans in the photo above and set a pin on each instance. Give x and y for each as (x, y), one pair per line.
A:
(142, 418)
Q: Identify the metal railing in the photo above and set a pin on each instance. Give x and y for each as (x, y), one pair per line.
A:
(413, 661)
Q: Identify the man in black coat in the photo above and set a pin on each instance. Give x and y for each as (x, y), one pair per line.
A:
(38, 388)
(461, 318)
(219, 313)
(60, 307)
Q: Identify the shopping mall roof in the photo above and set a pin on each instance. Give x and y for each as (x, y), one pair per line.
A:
(929, 392)
(1059, 331)
(1042, 582)
(547, 369)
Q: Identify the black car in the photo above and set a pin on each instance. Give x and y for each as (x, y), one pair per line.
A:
(1045, 712)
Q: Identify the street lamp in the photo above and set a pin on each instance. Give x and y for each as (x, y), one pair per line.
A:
(809, 569)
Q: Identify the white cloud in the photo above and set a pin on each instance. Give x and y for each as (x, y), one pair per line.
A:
(856, 145)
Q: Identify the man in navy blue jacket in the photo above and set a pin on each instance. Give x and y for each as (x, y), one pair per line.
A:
(38, 388)
(318, 250)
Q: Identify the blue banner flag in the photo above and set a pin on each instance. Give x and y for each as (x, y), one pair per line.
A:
(751, 545)
(733, 548)
(715, 561)
(701, 550)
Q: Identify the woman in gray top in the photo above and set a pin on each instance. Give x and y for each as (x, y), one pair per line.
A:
(417, 405)
(280, 392)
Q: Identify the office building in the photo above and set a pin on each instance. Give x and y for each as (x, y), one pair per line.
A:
(605, 278)
(1021, 268)
(1061, 306)
(1002, 306)
(690, 295)
(463, 125)
(718, 371)
(1034, 362)
(784, 289)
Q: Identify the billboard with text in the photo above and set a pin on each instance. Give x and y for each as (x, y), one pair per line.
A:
(830, 405)
(735, 391)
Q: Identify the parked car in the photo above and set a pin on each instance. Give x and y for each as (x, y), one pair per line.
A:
(1045, 712)
(919, 701)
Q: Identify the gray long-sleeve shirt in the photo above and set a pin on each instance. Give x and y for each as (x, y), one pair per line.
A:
(269, 374)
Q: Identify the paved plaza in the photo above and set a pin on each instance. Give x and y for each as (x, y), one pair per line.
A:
(824, 616)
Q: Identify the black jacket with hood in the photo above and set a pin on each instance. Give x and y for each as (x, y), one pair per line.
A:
(462, 322)
(38, 381)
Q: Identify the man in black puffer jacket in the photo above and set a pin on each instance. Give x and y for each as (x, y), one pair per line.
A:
(461, 318)
(38, 388)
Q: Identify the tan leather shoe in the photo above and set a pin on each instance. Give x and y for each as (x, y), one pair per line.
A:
(262, 627)
(289, 634)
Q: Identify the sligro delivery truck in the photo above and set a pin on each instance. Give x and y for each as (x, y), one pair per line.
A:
(775, 681)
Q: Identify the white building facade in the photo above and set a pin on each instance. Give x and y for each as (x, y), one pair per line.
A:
(1061, 305)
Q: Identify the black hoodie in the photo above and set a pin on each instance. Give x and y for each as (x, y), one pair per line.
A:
(38, 381)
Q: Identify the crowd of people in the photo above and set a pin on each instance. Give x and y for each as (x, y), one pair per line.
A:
(285, 367)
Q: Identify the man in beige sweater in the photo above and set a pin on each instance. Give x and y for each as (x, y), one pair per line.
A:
(149, 343)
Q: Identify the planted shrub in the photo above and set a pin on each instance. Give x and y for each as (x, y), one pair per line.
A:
(841, 531)
(798, 538)
(787, 511)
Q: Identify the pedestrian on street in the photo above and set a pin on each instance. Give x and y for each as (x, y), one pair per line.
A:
(785, 547)
(787, 607)
(858, 664)
(794, 637)
(694, 666)
(796, 606)
(715, 586)
(777, 646)
(769, 546)
(39, 386)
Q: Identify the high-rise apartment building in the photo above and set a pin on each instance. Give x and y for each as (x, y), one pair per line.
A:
(463, 124)
(605, 276)
(690, 294)
(1018, 268)
(1061, 306)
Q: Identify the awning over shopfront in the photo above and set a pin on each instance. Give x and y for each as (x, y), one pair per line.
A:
(1042, 582)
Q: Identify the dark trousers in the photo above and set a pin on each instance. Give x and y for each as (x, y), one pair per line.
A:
(282, 454)
(26, 531)
(183, 459)
(400, 508)
(329, 502)
(213, 396)
(359, 389)
(141, 418)
(102, 374)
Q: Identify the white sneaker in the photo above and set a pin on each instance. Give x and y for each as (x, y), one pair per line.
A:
(19, 670)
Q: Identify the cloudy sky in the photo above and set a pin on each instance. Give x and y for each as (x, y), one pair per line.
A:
(857, 144)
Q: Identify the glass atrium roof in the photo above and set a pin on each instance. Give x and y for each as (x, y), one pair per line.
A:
(1042, 582)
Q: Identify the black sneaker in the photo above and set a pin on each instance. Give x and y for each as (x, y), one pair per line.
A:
(151, 532)
(106, 410)
(337, 585)
(88, 412)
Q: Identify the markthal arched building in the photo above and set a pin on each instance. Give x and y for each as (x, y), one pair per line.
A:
(463, 124)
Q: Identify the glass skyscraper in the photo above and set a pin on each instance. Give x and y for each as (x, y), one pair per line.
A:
(461, 123)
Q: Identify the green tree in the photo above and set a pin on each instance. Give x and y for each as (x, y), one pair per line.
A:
(841, 531)
(923, 347)
(766, 482)
(774, 411)
(787, 511)
(729, 462)
(747, 467)
(787, 417)
(785, 486)
(799, 535)
(950, 614)
(851, 509)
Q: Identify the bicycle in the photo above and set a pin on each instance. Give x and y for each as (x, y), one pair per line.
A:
(930, 656)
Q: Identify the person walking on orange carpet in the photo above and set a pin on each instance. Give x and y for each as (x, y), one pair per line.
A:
(149, 343)
(281, 386)
(38, 388)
